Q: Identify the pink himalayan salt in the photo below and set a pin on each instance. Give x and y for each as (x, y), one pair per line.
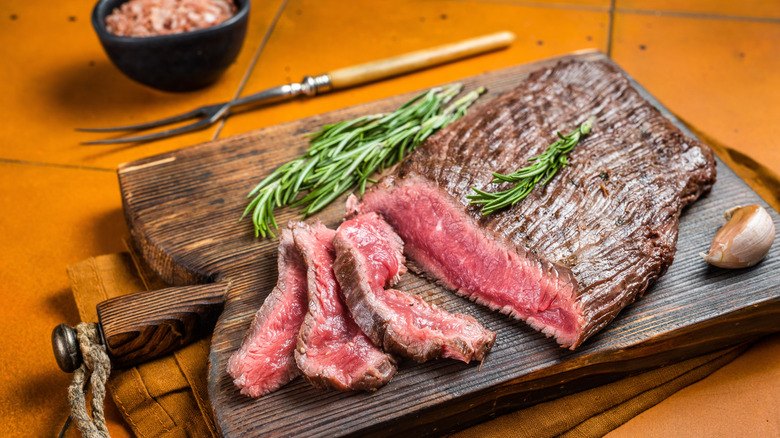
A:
(144, 18)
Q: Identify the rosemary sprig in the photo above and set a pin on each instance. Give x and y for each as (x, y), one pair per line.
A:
(541, 170)
(346, 154)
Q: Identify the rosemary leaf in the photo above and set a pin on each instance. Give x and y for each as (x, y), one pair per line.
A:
(540, 171)
(344, 155)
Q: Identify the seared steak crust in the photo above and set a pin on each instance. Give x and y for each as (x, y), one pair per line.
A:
(597, 235)
(265, 360)
(368, 258)
(332, 351)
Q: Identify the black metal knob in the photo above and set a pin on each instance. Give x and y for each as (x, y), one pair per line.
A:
(66, 348)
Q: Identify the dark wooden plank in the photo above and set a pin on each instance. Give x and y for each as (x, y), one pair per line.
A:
(183, 209)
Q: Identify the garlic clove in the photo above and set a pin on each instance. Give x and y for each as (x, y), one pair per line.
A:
(744, 240)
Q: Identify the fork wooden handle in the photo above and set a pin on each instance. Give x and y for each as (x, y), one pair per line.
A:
(372, 71)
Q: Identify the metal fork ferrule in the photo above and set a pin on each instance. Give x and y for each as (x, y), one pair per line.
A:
(313, 85)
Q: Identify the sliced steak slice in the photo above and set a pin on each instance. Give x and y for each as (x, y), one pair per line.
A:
(575, 252)
(368, 258)
(265, 360)
(332, 351)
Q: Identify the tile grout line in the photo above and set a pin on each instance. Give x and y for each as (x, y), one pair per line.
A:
(538, 4)
(252, 63)
(611, 28)
(613, 9)
(62, 166)
(697, 15)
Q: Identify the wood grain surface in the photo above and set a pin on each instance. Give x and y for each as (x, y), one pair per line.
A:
(183, 209)
(140, 326)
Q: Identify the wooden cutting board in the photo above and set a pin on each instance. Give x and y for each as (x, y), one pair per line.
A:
(183, 209)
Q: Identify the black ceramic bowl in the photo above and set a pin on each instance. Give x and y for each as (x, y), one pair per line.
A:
(179, 62)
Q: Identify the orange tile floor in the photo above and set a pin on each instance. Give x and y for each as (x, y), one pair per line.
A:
(714, 63)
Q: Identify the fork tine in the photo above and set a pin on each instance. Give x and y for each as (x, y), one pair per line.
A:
(154, 136)
(146, 125)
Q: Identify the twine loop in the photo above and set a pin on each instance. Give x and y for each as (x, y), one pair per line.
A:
(95, 371)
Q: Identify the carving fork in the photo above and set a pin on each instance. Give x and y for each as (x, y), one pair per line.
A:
(314, 85)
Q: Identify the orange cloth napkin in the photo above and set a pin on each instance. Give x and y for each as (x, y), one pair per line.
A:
(168, 397)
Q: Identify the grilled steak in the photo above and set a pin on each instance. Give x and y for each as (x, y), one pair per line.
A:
(265, 360)
(575, 252)
(332, 351)
(369, 257)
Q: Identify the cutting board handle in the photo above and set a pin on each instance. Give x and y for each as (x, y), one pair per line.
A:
(140, 327)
